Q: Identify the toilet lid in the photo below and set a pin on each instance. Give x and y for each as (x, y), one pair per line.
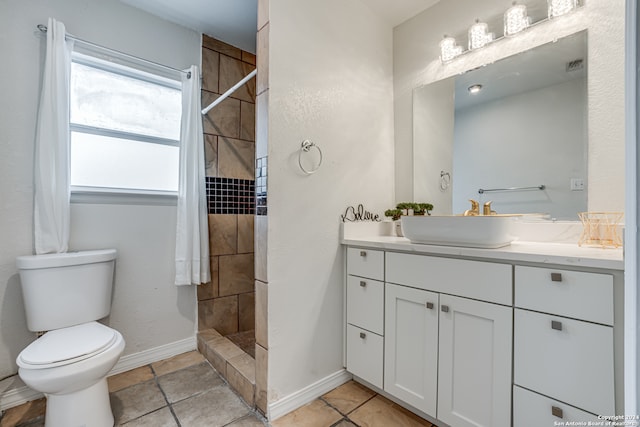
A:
(68, 345)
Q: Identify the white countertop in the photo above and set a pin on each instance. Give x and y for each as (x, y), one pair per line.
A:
(538, 252)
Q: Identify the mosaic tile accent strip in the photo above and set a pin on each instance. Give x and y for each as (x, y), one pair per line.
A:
(261, 186)
(231, 196)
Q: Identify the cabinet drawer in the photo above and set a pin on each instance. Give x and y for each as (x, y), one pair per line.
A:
(365, 263)
(484, 281)
(585, 296)
(571, 360)
(364, 355)
(365, 304)
(533, 410)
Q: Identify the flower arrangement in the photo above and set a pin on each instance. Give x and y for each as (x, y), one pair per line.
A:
(409, 208)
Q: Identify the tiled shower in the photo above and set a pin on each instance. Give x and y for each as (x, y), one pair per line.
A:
(227, 302)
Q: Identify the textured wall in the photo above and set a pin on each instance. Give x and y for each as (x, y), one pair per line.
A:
(330, 80)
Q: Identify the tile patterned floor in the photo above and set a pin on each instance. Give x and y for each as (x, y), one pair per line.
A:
(185, 391)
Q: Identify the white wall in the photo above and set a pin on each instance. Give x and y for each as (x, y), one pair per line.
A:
(523, 140)
(147, 309)
(416, 63)
(330, 71)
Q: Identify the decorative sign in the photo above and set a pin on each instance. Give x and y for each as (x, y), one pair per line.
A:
(352, 214)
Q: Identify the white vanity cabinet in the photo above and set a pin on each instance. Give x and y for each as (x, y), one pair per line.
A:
(563, 343)
(486, 341)
(365, 314)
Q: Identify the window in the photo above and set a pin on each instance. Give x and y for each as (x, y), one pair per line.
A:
(125, 128)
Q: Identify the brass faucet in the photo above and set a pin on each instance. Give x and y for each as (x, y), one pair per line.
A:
(486, 209)
(475, 209)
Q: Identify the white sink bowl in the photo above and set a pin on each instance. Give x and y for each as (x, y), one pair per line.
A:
(490, 231)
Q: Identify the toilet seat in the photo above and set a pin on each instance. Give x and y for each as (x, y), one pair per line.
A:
(67, 345)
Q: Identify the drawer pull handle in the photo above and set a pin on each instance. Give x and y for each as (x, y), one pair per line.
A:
(556, 277)
(444, 308)
(363, 335)
(363, 253)
(363, 283)
(556, 325)
(556, 412)
(430, 305)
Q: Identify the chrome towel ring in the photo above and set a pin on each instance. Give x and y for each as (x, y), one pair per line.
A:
(305, 147)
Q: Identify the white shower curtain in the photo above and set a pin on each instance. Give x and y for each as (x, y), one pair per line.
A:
(52, 194)
(192, 231)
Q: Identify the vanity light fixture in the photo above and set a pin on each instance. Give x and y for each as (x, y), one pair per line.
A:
(474, 89)
(560, 7)
(479, 35)
(516, 19)
(449, 49)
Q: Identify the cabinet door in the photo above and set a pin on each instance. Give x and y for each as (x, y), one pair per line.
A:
(411, 346)
(474, 382)
(364, 355)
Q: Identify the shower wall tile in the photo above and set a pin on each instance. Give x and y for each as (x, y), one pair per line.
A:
(223, 234)
(260, 238)
(263, 13)
(231, 72)
(262, 124)
(211, 155)
(210, 290)
(245, 234)
(235, 158)
(224, 315)
(222, 47)
(236, 274)
(246, 311)
(210, 68)
(248, 57)
(248, 121)
(262, 82)
(230, 196)
(224, 119)
(261, 314)
(262, 364)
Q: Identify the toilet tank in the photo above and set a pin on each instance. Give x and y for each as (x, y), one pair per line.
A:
(66, 289)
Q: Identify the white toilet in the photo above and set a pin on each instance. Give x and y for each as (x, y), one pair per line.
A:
(65, 294)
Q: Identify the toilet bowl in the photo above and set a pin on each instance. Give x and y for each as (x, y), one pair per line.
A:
(65, 294)
(69, 366)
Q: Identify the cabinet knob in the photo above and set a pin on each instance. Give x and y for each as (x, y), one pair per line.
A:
(444, 308)
(429, 305)
(557, 412)
(363, 253)
(556, 325)
(363, 283)
(363, 335)
(556, 277)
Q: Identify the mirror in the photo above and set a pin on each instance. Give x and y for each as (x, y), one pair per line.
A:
(526, 129)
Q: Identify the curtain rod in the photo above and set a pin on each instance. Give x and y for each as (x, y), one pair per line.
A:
(43, 28)
(229, 92)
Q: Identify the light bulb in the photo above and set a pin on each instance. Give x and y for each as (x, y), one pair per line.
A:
(449, 49)
(479, 35)
(560, 7)
(515, 19)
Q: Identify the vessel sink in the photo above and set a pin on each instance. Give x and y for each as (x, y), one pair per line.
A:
(484, 231)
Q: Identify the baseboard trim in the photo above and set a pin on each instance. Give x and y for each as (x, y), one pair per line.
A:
(23, 394)
(18, 396)
(136, 360)
(301, 397)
